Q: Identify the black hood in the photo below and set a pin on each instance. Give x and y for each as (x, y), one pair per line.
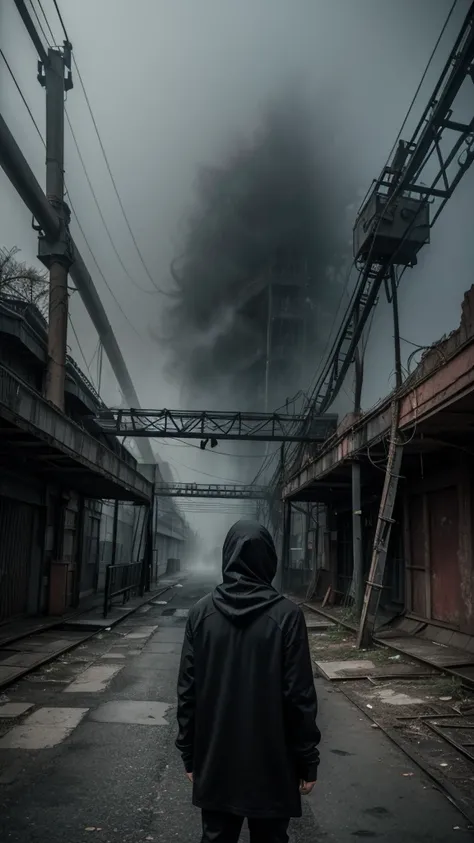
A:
(249, 565)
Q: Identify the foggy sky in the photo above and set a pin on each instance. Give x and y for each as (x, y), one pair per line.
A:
(174, 83)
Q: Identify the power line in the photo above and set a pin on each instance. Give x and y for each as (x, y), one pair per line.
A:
(415, 96)
(60, 19)
(76, 143)
(46, 20)
(430, 59)
(80, 349)
(22, 96)
(94, 195)
(101, 273)
(114, 183)
(39, 22)
(71, 203)
(215, 452)
(206, 473)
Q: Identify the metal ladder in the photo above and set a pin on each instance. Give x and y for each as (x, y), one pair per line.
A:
(382, 533)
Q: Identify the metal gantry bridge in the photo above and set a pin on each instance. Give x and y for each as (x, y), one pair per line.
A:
(216, 425)
(231, 491)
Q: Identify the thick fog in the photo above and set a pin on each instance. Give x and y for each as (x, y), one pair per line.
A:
(176, 86)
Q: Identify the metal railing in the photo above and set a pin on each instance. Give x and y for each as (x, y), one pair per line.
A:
(123, 580)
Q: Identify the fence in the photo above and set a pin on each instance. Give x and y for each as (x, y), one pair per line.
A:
(122, 580)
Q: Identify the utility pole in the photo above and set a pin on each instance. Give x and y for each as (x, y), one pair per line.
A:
(22, 178)
(357, 561)
(389, 493)
(55, 76)
(269, 344)
(113, 557)
(358, 570)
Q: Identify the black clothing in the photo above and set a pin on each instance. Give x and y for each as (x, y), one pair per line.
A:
(246, 699)
(226, 828)
(249, 567)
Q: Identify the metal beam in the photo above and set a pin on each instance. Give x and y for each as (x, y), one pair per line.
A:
(207, 425)
(22, 406)
(31, 29)
(23, 180)
(202, 490)
(410, 167)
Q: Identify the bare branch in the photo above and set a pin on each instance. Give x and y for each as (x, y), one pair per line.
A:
(22, 282)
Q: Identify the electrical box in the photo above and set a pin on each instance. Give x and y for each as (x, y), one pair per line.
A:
(391, 229)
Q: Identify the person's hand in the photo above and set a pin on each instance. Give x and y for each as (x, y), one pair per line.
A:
(306, 787)
(190, 777)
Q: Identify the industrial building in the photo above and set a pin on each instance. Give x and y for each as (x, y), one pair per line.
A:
(60, 476)
(429, 573)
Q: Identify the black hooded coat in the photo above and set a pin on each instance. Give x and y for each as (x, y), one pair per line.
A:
(246, 698)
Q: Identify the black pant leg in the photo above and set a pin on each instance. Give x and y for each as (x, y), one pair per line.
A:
(269, 831)
(220, 828)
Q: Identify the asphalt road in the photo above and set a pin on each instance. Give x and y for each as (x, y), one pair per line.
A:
(94, 755)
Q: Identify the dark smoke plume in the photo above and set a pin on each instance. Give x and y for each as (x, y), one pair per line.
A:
(274, 196)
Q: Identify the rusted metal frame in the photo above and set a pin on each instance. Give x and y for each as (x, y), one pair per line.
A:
(459, 747)
(431, 621)
(380, 412)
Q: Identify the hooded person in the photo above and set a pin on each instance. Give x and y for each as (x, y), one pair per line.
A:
(246, 699)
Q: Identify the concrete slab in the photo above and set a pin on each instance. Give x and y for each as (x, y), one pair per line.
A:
(435, 654)
(143, 610)
(20, 659)
(156, 661)
(113, 656)
(8, 674)
(167, 634)
(402, 671)
(162, 647)
(141, 632)
(94, 679)
(90, 623)
(43, 729)
(12, 709)
(134, 712)
(350, 669)
(39, 644)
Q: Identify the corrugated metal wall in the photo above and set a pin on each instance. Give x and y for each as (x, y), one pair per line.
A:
(439, 539)
(16, 529)
(444, 544)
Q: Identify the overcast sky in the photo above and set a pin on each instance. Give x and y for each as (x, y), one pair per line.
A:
(173, 83)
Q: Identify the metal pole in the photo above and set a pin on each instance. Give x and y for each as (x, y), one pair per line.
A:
(396, 329)
(358, 571)
(269, 345)
(145, 575)
(359, 370)
(286, 544)
(56, 253)
(114, 533)
(22, 178)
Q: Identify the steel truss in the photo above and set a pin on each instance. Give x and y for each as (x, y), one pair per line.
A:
(201, 490)
(439, 153)
(208, 425)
